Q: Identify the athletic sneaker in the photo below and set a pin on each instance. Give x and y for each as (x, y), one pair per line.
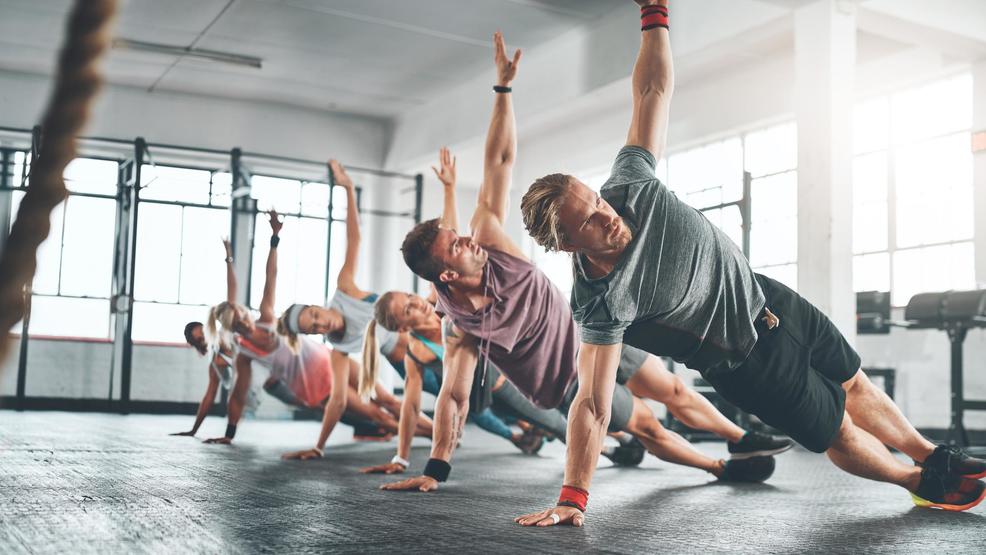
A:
(952, 460)
(752, 469)
(631, 454)
(756, 444)
(948, 492)
(530, 442)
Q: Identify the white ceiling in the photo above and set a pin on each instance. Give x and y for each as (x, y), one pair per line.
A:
(371, 57)
(381, 58)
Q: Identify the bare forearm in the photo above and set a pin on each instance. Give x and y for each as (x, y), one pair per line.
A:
(333, 412)
(653, 74)
(352, 222)
(405, 430)
(450, 216)
(586, 430)
(501, 139)
(270, 284)
(230, 282)
(449, 416)
(204, 406)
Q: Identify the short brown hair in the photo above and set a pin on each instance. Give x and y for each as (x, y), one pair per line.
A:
(539, 208)
(417, 250)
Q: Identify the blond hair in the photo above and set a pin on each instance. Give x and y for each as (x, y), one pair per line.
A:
(285, 331)
(371, 355)
(224, 314)
(539, 208)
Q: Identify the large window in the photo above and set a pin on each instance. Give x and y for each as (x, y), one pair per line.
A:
(912, 191)
(711, 175)
(74, 274)
(180, 269)
(301, 269)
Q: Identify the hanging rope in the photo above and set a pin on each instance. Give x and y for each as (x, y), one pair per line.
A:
(76, 83)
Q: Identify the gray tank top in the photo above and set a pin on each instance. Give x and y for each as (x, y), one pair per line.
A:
(527, 332)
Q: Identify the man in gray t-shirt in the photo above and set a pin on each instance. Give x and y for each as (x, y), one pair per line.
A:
(652, 272)
(707, 298)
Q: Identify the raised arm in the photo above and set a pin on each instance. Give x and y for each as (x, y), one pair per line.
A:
(588, 420)
(270, 284)
(346, 280)
(206, 403)
(451, 407)
(653, 81)
(230, 273)
(450, 217)
(501, 142)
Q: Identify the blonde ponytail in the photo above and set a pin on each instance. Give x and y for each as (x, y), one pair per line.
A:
(223, 314)
(289, 336)
(371, 362)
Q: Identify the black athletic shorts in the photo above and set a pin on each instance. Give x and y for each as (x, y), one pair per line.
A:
(792, 378)
(631, 359)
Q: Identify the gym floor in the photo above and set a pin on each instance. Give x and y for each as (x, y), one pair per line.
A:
(112, 484)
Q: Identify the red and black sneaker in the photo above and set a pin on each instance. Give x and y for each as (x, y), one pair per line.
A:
(948, 492)
(952, 460)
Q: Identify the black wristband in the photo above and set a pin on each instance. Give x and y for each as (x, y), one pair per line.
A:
(437, 469)
(230, 431)
(274, 241)
(499, 89)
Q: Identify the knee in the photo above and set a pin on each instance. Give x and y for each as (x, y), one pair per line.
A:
(843, 436)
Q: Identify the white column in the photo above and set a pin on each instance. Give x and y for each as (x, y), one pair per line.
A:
(979, 170)
(825, 57)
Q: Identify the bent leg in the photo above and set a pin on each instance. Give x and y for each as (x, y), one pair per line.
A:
(857, 452)
(654, 381)
(873, 410)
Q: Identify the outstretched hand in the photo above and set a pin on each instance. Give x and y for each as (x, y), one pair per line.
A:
(418, 483)
(339, 175)
(389, 468)
(219, 441)
(506, 69)
(303, 455)
(563, 515)
(228, 246)
(447, 162)
(275, 223)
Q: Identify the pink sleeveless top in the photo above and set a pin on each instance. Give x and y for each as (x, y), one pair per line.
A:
(527, 332)
(308, 373)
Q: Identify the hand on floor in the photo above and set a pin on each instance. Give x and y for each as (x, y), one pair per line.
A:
(420, 483)
(553, 516)
(187, 434)
(219, 440)
(389, 468)
(303, 455)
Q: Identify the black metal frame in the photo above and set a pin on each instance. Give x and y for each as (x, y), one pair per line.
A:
(128, 200)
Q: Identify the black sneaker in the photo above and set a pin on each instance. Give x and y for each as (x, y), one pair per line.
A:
(752, 469)
(755, 444)
(530, 442)
(631, 454)
(952, 460)
(948, 492)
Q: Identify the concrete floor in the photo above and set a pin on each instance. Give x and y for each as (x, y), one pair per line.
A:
(119, 484)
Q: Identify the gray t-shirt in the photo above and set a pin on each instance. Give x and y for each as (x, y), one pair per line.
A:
(681, 289)
(356, 313)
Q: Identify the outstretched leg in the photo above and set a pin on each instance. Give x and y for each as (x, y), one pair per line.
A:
(873, 410)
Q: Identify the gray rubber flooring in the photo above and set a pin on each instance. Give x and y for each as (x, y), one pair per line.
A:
(118, 484)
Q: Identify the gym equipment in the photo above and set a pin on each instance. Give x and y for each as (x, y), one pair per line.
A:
(955, 313)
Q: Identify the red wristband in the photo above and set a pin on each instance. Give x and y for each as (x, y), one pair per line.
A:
(573, 496)
(653, 16)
